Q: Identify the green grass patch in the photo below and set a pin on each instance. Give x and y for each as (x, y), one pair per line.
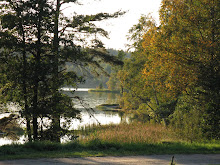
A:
(99, 148)
(113, 140)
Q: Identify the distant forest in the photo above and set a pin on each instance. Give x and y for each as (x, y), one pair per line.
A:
(94, 80)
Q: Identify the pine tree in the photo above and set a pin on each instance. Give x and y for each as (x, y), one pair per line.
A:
(36, 52)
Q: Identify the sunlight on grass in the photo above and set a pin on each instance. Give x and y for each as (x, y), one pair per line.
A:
(132, 133)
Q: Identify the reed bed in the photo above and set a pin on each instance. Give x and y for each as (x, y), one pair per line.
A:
(131, 133)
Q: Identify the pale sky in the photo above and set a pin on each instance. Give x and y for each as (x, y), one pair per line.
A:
(118, 27)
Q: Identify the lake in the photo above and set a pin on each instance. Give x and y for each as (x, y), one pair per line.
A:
(90, 99)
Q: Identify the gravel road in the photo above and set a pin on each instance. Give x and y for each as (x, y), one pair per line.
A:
(197, 159)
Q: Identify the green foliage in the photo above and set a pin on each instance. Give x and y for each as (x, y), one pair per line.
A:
(34, 54)
(173, 74)
(10, 127)
(114, 83)
(97, 144)
(187, 120)
(42, 146)
(186, 29)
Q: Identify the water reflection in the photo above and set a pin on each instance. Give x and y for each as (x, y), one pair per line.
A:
(99, 117)
(90, 99)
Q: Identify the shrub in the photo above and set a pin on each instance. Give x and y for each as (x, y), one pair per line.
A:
(43, 146)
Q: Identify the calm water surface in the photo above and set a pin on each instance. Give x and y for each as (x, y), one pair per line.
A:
(90, 99)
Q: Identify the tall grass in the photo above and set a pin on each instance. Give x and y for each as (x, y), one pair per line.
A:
(142, 138)
(117, 140)
(131, 133)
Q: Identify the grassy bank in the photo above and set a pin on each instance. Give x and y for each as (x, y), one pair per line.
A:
(114, 140)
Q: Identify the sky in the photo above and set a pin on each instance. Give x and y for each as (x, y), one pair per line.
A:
(118, 27)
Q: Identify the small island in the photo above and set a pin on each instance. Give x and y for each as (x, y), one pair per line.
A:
(109, 107)
(104, 90)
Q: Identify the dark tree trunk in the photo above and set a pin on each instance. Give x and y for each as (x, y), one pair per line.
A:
(24, 77)
(56, 114)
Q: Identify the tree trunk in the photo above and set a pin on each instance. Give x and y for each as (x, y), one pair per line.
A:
(26, 109)
(37, 72)
(56, 114)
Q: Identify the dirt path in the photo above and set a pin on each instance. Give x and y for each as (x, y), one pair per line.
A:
(197, 159)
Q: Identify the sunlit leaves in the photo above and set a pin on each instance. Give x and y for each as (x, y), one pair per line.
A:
(180, 57)
(182, 43)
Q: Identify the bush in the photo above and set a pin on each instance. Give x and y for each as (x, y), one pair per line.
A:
(12, 149)
(187, 120)
(43, 146)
